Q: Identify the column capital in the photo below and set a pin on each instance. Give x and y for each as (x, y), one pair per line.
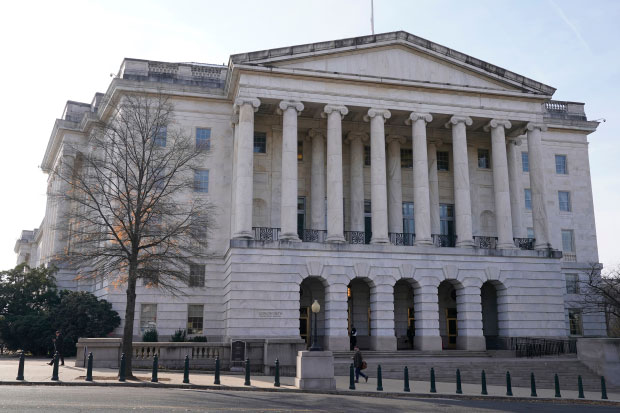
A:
(533, 125)
(372, 112)
(395, 138)
(435, 141)
(496, 123)
(356, 135)
(335, 108)
(455, 120)
(315, 133)
(240, 101)
(426, 117)
(286, 104)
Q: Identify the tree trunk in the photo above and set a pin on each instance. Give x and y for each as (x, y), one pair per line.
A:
(130, 311)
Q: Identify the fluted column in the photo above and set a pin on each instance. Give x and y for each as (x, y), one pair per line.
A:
(288, 209)
(62, 219)
(537, 184)
(394, 184)
(317, 181)
(378, 187)
(462, 198)
(421, 191)
(433, 186)
(356, 151)
(514, 174)
(335, 217)
(501, 189)
(245, 166)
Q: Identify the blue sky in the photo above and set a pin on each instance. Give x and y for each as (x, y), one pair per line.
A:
(61, 50)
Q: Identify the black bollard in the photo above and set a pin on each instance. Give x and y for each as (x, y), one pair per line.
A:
(508, 384)
(55, 370)
(484, 383)
(557, 386)
(379, 379)
(580, 388)
(186, 370)
(247, 373)
(351, 378)
(20, 369)
(603, 388)
(433, 389)
(277, 379)
(89, 368)
(459, 390)
(155, 365)
(406, 388)
(533, 385)
(121, 370)
(217, 370)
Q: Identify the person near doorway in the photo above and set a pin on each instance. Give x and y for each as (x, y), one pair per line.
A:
(353, 339)
(58, 341)
(410, 335)
(359, 364)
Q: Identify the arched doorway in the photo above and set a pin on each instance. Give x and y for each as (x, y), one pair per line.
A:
(404, 316)
(312, 288)
(448, 313)
(358, 308)
(492, 298)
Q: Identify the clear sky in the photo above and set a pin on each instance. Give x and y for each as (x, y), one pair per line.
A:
(54, 51)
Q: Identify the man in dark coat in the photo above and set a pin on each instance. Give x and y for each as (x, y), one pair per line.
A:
(58, 341)
(358, 360)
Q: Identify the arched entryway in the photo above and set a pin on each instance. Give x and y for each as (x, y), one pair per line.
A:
(404, 315)
(358, 309)
(448, 313)
(312, 288)
(492, 298)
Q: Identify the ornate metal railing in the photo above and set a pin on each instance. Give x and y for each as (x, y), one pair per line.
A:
(401, 238)
(485, 242)
(313, 235)
(442, 240)
(356, 237)
(524, 243)
(266, 233)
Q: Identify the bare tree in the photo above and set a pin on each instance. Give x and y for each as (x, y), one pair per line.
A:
(130, 207)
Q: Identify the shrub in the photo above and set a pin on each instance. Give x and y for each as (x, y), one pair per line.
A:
(179, 336)
(198, 339)
(150, 336)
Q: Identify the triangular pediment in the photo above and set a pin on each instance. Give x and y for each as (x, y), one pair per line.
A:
(394, 56)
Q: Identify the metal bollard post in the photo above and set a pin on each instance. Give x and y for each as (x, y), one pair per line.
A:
(155, 365)
(351, 378)
(247, 373)
(508, 384)
(277, 378)
(121, 370)
(55, 371)
(603, 388)
(557, 386)
(89, 367)
(459, 390)
(379, 379)
(580, 388)
(406, 387)
(533, 385)
(186, 370)
(484, 383)
(433, 389)
(217, 370)
(20, 369)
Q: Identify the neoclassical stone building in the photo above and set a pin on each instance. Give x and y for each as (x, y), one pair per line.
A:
(421, 195)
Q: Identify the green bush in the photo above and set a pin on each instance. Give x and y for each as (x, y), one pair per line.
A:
(179, 336)
(150, 336)
(198, 339)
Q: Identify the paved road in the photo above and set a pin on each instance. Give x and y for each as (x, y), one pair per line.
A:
(105, 399)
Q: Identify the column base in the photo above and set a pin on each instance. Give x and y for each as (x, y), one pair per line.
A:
(465, 244)
(380, 240)
(243, 235)
(337, 343)
(383, 343)
(427, 343)
(335, 239)
(474, 343)
(422, 242)
(290, 237)
(315, 370)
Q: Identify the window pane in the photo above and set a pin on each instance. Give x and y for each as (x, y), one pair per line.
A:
(484, 161)
(443, 161)
(195, 317)
(568, 244)
(560, 164)
(574, 319)
(196, 275)
(572, 284)
(300, 150)
(406, 158)
(408, 218)
(564, 201)
(160, 136)
(366, 155)
(530, 232)
(201, 180)
(260, 142)
(528, 198)
(525, 161)
(203, 139)
(148, 317)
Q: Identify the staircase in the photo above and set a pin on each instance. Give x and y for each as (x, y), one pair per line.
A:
(471, 364)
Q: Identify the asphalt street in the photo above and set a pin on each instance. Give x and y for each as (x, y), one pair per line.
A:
(106, 399)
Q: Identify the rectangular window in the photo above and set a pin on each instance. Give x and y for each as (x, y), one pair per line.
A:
(561, 166)
(260, 142)
(525, 161)
(201, 180)
(160, 136)
(408, 218)
(530, 232)
(446, 217)
(406, 158)
(148, 317)
(572, 284)
(300, 150)
(203, 139)
(575, 322)
(366, 155)
(564, 201)
(443, 161)
(301, 216)
(196, 275)
(199, 230)
(484, 159)
(195, 318)
(528, 198)
(568, 240)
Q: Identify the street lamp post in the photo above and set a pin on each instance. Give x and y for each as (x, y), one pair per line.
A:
(316, 307)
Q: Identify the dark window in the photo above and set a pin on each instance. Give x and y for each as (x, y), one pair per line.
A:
(572, 284)
(300, 151)
(260, 142)
(408, 218)
(484, 161)
(367, 220)
(196, 275)
(203, 139)
(160, 136)
(574, 319)
(366, 155)
(301, 216)
(560, 165)
(195, 317)
(406, 158)
(201, 180)
(443, 161)
(525, 161)
(564, 201)
(446, 219)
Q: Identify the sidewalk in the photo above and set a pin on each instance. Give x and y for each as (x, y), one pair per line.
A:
(36, 371)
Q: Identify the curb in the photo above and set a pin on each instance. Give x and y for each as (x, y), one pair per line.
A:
(384, 395)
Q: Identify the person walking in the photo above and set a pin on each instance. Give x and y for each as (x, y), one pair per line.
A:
(359, 364)
(58, 341)
(353, 339)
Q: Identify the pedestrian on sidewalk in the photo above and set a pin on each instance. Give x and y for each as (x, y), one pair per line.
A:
(58, 341)
(359, 364)
(353, 339)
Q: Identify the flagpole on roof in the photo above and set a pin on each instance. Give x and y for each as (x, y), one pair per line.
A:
(372, 16)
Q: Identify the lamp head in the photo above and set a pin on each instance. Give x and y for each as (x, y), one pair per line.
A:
(316, 307)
